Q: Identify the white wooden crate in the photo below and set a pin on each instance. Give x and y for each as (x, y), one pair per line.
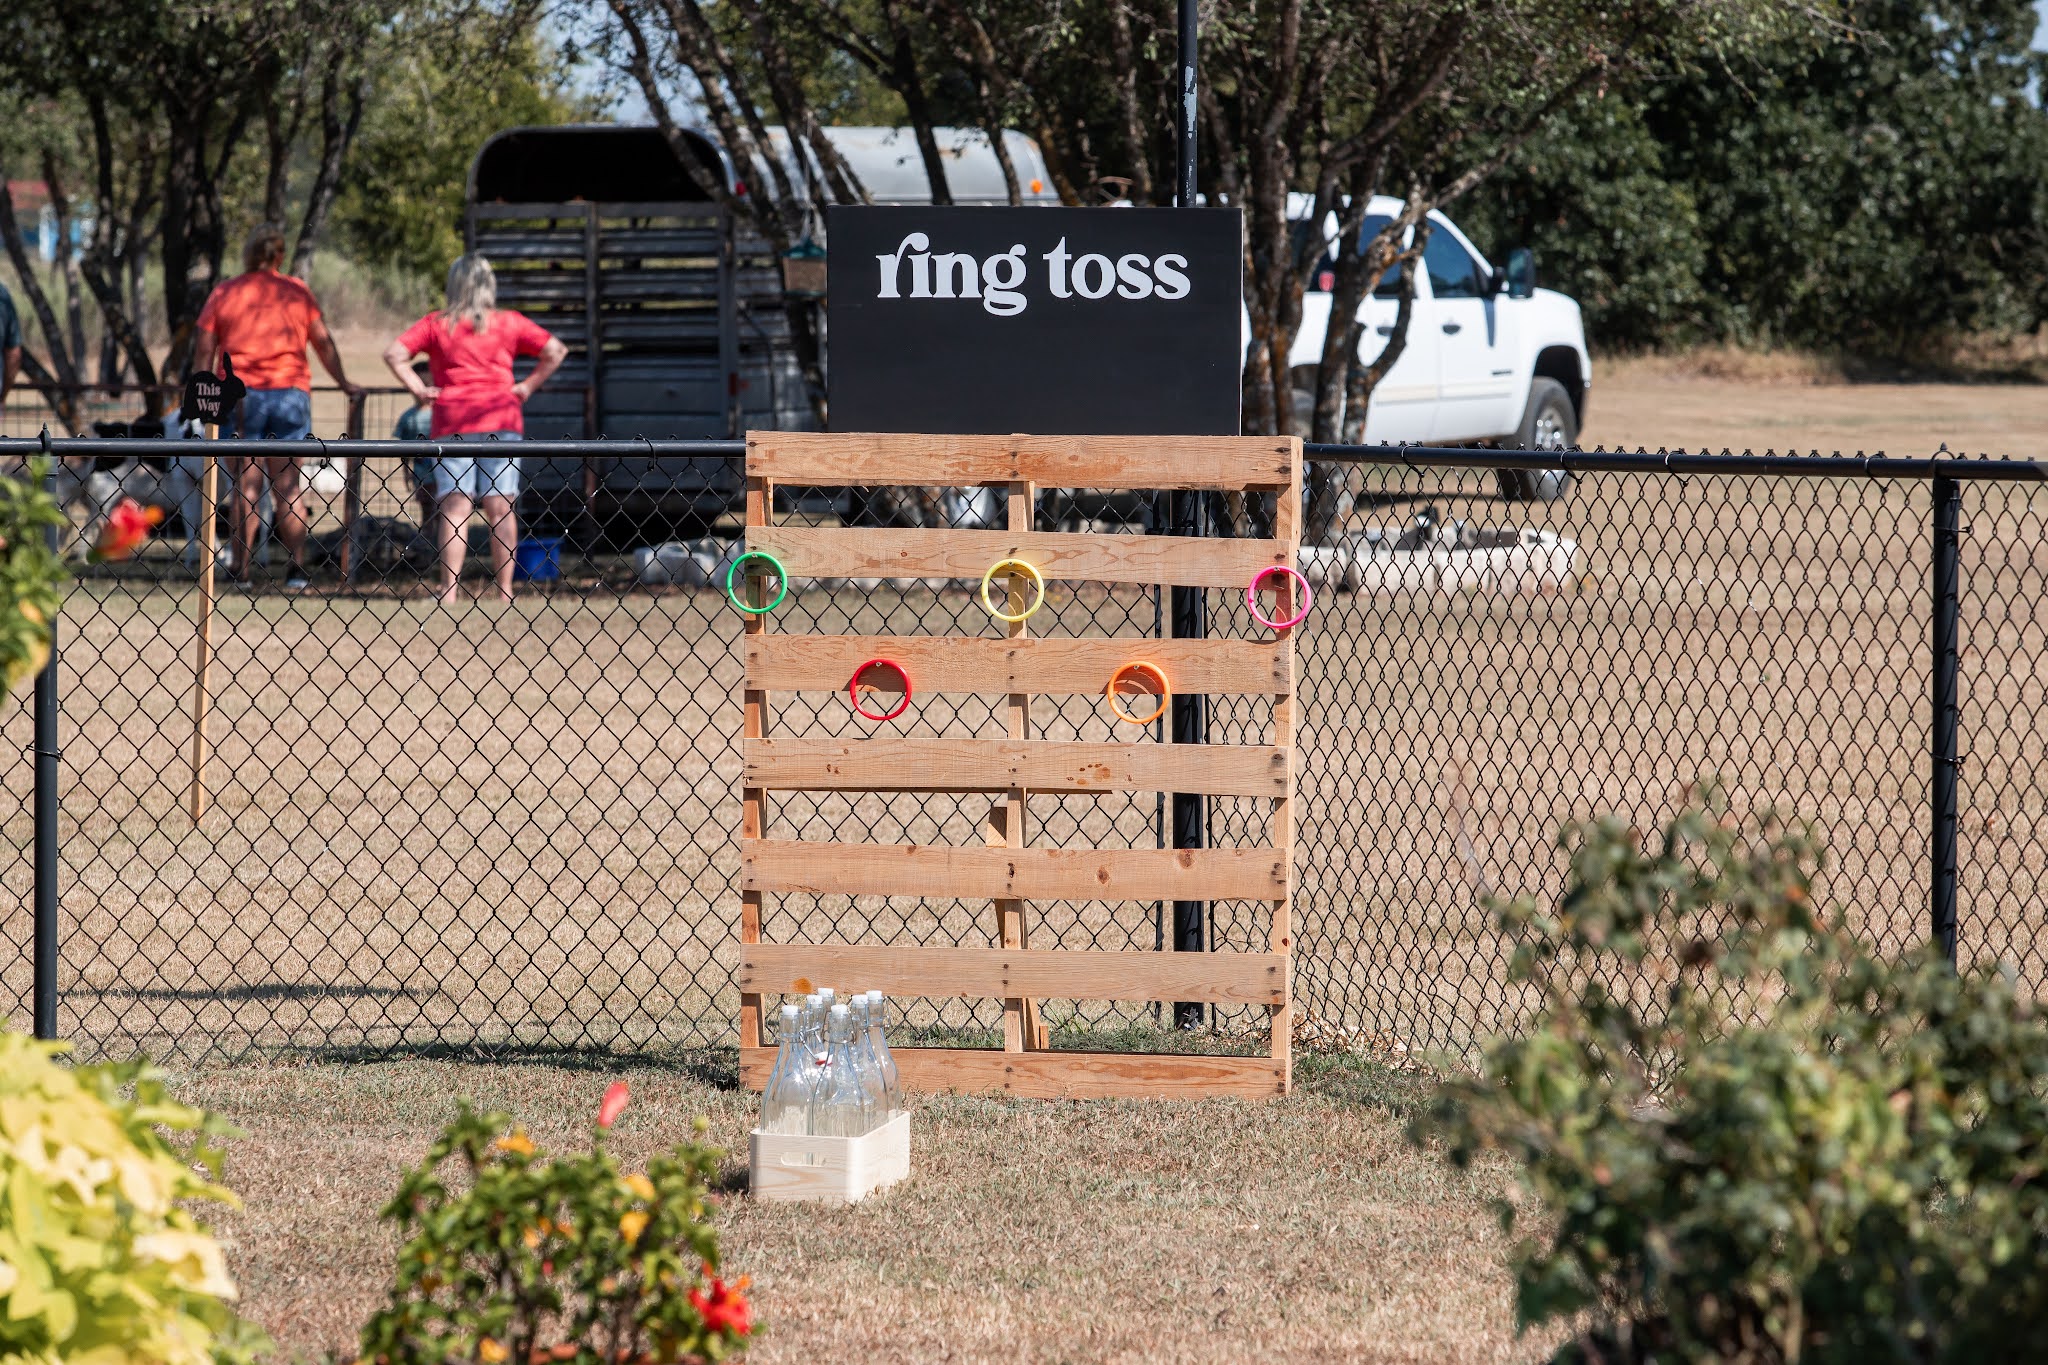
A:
(835, 1170)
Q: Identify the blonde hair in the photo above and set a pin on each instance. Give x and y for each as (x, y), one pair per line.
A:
(265, 247)
(472, 292)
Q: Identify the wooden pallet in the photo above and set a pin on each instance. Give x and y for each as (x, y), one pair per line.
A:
(1007, 871)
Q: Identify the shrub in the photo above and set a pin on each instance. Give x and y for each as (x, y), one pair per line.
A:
(567, 1259)
(29, 574)
(99, 1260)
(1750, 1138)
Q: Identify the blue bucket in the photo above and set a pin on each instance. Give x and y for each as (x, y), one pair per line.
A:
(538, 559)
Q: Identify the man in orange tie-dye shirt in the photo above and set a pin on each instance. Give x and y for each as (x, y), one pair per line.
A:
(264, 320)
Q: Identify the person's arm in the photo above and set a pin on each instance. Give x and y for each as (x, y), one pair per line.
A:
(330, 355)
(551, 357)
(10, 365)
(398, 357)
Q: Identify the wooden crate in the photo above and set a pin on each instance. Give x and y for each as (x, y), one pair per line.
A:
(1009, 872)
(832, 1170)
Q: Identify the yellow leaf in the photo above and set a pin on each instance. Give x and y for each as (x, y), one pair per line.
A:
(516, 1142)
(640, 1185)
(490, 1352)
(631, 1225)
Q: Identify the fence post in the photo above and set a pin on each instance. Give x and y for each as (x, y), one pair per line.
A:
(46, 815)
(1947, 614)
(1190, 608)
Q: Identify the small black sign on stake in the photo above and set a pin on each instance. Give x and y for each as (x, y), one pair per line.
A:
(209, 397)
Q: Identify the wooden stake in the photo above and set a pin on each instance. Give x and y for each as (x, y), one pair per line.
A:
(1022, 1029)
(753, 800)
(1287, 530)
(209, 493)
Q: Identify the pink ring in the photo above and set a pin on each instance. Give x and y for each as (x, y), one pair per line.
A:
(853, 686)
(1251, 597)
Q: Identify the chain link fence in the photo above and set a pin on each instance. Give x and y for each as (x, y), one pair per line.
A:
(512, 826)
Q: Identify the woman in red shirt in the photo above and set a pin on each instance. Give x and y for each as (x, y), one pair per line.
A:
(470, 346)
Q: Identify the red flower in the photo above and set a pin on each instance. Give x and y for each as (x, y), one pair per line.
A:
(127, 527)
(724, 1309)
(613, 1104)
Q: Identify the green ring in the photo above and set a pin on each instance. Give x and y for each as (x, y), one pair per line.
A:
(781, 576)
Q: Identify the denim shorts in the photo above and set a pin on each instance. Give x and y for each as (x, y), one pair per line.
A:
(275, 415)
(478, 476)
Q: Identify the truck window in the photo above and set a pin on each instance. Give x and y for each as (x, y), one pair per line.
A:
(1325, 277)
(1453, 274)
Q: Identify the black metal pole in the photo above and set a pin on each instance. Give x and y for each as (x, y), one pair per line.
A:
(1947, 617)
(1190, 609)
(46, 825)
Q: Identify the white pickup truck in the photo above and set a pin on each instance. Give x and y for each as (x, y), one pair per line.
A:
(1490, 357)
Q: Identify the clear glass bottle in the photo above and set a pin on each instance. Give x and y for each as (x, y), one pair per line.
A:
(812, 1046)
(865, 1063)
(892, 1080)
(782, 1099)
(838, 1106)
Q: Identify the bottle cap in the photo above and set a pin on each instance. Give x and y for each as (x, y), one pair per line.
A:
(814, 1000)
(874, 998)
(790, 1011)
(839, 1011)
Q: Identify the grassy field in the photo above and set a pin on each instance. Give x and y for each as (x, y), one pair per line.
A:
(1301, 1230)
(513, 826)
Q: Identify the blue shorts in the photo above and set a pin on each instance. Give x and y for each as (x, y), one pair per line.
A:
(275, 415)
(478, 476)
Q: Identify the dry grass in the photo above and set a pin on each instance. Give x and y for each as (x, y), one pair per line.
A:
(1304, 1229)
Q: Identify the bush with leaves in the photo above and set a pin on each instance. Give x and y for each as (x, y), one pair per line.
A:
(100, 1257)
(568, 1259)
(29, 575)
(1751, 1138)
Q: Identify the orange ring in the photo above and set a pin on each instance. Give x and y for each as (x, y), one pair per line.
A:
(1139, 666)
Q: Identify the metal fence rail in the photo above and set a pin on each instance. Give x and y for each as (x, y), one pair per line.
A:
(486, 826)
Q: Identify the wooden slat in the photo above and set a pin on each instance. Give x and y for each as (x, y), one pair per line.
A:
(881, 552)
(1032, 874)
(992, 765)
(1066, 1075)
(1010, 973)
(1224, 463)
(1053, 668)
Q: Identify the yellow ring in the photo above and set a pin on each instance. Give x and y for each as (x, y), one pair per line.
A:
(1140, 666)
(1037, 581)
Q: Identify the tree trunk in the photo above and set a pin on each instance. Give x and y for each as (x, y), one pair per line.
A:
(338, 128)
(67, 265)
(910, 85)
(1122, 55)
(39, 302)
(193, 239)
(1362, 379)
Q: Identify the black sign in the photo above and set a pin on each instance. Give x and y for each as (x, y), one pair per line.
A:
(210, 397)
(1111, 321)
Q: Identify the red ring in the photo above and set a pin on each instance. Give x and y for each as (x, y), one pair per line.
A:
(853, 686)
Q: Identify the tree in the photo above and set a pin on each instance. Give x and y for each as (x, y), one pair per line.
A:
(445, 90)
(1334, 100)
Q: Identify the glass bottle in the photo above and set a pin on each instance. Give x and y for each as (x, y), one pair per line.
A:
(892, 1080)
(865, 1063)
(782, 1098)
(810, 1053)
(838, 1108)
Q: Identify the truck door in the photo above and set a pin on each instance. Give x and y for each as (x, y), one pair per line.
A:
(1406, 398)
(1476, 345)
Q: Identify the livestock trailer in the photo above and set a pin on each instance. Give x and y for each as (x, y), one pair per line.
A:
(672, 311)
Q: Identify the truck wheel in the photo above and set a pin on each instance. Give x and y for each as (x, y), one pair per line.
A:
(1548, 424)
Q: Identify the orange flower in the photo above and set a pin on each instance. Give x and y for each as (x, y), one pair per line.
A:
(127, 527)
(631, 1225)
(613, 1104)
(724, 1309)
(491, 1352)
(515, 1142)
(640, 1185)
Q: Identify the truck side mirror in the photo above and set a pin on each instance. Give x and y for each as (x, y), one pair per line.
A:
(1521, 273)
